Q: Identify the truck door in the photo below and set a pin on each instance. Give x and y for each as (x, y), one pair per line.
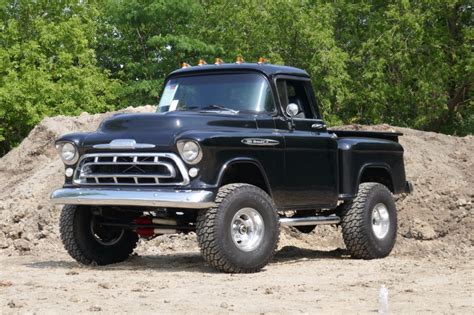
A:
(311, 172)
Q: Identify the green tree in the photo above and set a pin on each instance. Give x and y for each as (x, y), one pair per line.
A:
(296, 33)
(407, 63)
(48, 65)
(141, 41)
(410, 63)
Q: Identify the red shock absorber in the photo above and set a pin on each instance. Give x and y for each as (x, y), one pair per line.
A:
(144, 231)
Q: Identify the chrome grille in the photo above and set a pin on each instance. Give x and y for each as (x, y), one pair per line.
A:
(131, 169)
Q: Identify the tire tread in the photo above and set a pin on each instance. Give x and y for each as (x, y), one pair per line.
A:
(88, 256)
(66, 230)
(208, 241)
(354, 231)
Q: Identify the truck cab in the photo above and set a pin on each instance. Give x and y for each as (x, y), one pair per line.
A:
(233, 152)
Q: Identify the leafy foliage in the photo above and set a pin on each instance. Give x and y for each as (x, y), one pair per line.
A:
(296, 33)
(142, 41)
(407, 63)
(411, 64)
(48, 66)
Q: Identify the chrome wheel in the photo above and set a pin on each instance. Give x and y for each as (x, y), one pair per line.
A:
(247, 229)
(380, 220)
(106, 236)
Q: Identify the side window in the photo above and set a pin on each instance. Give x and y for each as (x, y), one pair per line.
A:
(294, 91)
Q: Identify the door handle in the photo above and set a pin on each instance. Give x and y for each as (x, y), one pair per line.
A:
(318, 126)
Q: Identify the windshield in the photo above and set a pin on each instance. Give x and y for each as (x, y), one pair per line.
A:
(246, 92)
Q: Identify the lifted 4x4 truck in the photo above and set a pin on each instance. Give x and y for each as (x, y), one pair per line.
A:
(233, 152)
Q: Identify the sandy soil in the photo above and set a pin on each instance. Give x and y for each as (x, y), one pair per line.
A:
(299, 281)
(429, 271)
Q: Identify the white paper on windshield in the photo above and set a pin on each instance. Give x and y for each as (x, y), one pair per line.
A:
(168, 95)
(174, 104)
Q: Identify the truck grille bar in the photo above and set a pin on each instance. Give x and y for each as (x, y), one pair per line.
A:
(112, 169)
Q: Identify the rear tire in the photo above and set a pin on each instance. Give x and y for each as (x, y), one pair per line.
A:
(89, 243)
(240, 233)
(369, 222)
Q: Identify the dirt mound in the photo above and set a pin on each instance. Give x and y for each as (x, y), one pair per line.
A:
(435, 219)
(28, 175)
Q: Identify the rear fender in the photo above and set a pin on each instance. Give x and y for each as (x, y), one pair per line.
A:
(376, 166)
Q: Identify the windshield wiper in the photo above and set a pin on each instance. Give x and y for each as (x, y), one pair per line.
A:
(219, 107)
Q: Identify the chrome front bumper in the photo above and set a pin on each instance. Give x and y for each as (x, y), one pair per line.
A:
(168, 198)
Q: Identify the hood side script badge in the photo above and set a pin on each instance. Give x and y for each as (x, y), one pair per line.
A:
(123, 144)
(260, 142)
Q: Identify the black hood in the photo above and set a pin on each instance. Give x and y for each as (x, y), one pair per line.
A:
(162, 130)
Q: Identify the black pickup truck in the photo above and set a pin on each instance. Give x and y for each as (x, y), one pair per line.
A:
(233, 152)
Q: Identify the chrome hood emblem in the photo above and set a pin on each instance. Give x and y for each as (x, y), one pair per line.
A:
(123, 144)
(260, 142)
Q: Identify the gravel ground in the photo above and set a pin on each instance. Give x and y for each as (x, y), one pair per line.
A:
(298, 281)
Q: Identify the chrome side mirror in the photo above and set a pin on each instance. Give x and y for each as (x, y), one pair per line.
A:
(292, 110)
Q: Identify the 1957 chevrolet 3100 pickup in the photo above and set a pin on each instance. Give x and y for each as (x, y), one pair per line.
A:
(233, 152)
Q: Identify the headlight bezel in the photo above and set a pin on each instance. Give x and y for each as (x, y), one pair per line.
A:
(181, 144)
(60, 148)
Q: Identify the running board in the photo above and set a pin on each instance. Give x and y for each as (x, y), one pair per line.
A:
(310, 220)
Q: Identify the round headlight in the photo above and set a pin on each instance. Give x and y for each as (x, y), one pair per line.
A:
(68, 153)
(190, 151)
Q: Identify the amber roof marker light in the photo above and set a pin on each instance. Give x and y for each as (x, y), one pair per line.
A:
(202, 62)
(185, 65)
(239, 60)
(262, 60)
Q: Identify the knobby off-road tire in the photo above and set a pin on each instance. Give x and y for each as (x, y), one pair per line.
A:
(364, 238)
(216, 229)
(83, 244)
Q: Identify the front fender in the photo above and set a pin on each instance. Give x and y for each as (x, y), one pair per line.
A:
(77, 138)
(245, 160)
(223, 149)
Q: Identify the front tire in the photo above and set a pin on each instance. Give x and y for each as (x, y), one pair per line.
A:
(90, 243)
(240, 233)
(369, 222)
